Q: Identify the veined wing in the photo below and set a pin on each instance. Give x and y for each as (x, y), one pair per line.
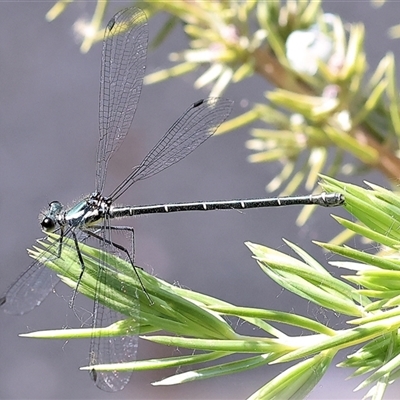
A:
(34, 285)
(110, 349)
(196, 125)
(122, 71)
(29, 290)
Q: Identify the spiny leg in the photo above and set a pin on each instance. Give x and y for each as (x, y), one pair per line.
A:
(121, 248)
(60, 242)
(71, 302)
(132, 235)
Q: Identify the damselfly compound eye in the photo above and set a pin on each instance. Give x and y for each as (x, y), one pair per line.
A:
(48, 224)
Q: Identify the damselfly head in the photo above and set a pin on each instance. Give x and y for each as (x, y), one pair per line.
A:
(49, 222)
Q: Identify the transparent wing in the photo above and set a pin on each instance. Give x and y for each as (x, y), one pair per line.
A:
(34, 285)
(29, 290)
(196, 125)
(110, 349)
(122, 71)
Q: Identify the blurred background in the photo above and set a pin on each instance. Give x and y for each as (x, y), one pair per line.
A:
(48, 139)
